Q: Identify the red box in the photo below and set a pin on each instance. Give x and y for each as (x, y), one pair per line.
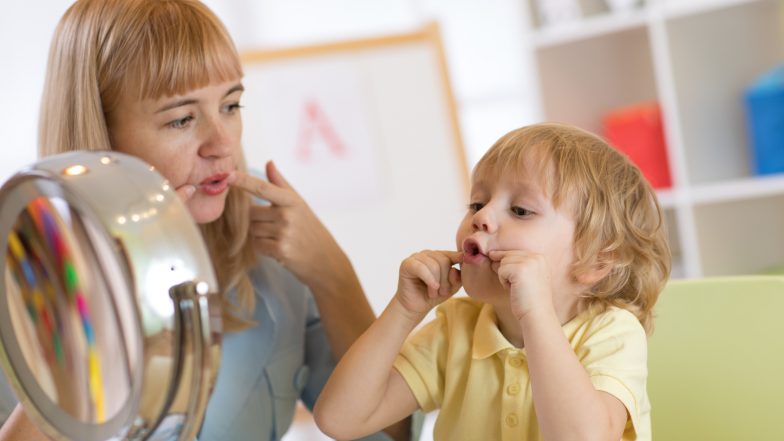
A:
(638, 132)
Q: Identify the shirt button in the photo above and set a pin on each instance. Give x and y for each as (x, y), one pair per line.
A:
(513, 389)
(515, 362)
(511, 420)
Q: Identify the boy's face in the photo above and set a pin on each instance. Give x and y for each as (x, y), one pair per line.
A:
(514, 213)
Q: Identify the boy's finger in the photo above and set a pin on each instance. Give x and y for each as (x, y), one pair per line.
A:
(454, 256)
(497, 254)
(445, 260)
(423, 272)
(455, 281)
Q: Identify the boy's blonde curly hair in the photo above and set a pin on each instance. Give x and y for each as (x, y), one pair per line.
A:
(618, 221)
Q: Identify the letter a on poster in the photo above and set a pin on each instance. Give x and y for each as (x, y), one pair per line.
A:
(313, 120)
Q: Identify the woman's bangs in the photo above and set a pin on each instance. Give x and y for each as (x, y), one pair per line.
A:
(183, 52)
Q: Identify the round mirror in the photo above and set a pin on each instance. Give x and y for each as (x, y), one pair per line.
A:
(109, 328)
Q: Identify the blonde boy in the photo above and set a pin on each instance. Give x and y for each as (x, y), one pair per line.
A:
(562, 254)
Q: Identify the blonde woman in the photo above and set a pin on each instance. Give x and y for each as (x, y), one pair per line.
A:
(161, 80)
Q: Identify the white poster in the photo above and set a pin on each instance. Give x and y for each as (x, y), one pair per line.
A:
(313, 120)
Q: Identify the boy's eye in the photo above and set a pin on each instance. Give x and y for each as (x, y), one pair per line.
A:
(520, 211)
(475, 206)
(180, 123)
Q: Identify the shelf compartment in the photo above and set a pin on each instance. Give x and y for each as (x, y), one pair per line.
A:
(583, 80)
(740, 237)
(716, 55)
(684, 8)
(592, 27)
(738, 189)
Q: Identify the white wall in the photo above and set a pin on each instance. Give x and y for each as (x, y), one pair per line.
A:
(25, 31)
(483, 41)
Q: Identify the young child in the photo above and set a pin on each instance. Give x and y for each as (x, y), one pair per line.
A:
(562, 254)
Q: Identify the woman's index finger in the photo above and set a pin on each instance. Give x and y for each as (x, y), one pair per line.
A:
(260, 188)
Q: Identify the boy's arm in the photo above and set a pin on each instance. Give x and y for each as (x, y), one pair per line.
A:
(365, 393)
(567, 404)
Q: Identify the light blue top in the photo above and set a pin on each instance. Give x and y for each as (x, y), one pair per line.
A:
(265, 369)
(7, 398)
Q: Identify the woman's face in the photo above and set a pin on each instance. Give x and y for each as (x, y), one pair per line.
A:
(191, 139)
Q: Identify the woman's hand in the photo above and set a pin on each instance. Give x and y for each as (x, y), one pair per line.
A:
(290, 232)
(287, 229)
(427, 279)
(527, 277)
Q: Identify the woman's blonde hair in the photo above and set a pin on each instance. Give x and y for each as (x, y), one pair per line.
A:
(618, 221)
(103, 49)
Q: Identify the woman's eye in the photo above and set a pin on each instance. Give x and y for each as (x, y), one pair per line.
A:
(181, 123)
(475, 206)
(520, 211)
(233, 107)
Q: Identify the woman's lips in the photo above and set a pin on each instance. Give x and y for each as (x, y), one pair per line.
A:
(472, 252)
(215, 184)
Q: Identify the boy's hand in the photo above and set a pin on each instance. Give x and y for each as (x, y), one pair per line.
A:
(427, 279)
(527, 277)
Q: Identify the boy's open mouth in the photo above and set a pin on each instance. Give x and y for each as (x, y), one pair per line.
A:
(472, 251)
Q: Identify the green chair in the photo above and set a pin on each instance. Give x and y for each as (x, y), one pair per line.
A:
(716, 360)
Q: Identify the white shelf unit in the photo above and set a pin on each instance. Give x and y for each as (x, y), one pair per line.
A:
(696, 58)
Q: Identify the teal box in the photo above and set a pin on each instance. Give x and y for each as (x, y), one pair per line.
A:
(764, 101)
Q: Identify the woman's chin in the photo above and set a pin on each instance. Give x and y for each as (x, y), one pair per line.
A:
(204, 212)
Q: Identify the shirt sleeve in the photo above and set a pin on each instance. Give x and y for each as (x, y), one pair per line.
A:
(615, 354)
(421, 362)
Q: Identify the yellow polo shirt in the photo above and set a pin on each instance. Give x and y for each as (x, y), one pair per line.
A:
(461, 364)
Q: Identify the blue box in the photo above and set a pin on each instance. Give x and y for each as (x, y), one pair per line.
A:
(764, 101)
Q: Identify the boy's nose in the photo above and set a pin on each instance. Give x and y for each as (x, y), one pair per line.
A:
(483, 222)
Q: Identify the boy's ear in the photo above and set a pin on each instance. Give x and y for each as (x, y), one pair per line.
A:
(601, 267)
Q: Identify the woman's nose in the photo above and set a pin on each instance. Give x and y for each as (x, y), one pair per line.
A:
(218, 141)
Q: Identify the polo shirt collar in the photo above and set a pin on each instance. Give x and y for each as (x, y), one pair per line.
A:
(488, 339)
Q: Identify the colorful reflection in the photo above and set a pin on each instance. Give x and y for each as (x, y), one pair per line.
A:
(52, 276)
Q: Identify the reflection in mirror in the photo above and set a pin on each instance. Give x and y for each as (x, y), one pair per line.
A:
(62, 315)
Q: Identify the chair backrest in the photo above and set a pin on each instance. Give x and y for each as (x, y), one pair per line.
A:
(716, 360)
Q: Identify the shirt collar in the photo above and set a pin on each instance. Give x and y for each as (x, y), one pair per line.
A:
(488, 339)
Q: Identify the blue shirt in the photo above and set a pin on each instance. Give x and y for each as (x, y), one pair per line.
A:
(265, 369)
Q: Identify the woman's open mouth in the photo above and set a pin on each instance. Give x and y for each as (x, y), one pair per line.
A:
(472, 252)
(215, 184)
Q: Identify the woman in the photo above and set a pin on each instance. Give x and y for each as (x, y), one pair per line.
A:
(161, 80)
